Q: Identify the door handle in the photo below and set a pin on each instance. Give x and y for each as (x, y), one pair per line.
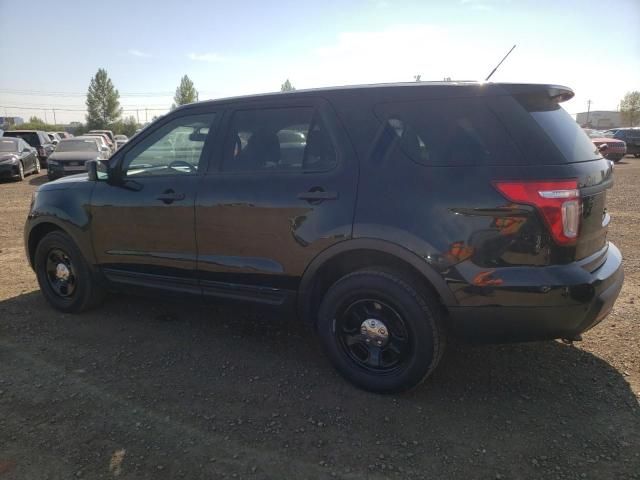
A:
(317, 196)
(170, 196)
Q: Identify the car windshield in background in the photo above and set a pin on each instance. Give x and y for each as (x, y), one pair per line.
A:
(77, 146)
(30, 137)
(8, 146)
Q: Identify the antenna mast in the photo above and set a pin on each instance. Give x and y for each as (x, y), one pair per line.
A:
(497, 66)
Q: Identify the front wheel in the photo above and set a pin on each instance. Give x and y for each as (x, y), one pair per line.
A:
(381, 333)
(20, 171)
(65, 279)
(37, 166)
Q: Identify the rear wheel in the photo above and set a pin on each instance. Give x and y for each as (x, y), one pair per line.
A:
(381, 333)
(37, 166)
(65, 279)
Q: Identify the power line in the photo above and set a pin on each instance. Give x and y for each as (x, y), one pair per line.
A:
(16, 107)
(9, 91)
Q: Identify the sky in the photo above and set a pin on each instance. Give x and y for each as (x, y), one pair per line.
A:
(49, 52)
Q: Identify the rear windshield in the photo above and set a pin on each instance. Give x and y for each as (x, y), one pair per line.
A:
(30, 137)
(563, 131)
(77, 146)
(447, 132)
(8, 145)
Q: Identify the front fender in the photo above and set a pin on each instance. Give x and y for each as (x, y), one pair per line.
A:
(62, 209)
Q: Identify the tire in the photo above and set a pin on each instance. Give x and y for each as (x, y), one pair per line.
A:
(37, 167)
(56, 255)
(637, 155)
(404, 321)
(20, 171)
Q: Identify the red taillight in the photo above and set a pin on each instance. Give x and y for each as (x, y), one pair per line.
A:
(558, 202)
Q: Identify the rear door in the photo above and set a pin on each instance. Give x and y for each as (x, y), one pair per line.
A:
(283, 190)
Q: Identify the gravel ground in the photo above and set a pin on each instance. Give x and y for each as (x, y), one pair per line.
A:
(142, 388)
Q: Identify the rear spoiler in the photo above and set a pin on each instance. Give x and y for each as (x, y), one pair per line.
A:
(554, 93)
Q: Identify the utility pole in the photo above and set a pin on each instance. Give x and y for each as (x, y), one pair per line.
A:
(145, 115)
(138, 116)
(45, 117)
(54, 116)
(588, 111)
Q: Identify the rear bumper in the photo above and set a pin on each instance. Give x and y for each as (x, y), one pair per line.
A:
(584, 300)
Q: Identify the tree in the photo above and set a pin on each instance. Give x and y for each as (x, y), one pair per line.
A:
(103, 102)
(185, 93)
(630, 108)
(129, 126)
(417, 78)
(286, 86)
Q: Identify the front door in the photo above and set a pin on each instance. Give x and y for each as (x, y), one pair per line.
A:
(143, 221)
(282, 192)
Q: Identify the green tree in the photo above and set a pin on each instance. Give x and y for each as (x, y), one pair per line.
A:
(103, 102)
(185, 93)
(630, 108)
(286, 86)
(129, 126)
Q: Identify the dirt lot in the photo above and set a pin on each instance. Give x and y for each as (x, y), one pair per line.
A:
(143, 388)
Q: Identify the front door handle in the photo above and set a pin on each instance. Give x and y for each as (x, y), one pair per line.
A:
(317, 195)
(169, 196)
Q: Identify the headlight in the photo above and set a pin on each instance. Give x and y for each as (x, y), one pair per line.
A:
(9, 160)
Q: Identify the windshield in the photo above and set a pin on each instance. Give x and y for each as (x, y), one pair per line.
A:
(8, 146)
(77, 146)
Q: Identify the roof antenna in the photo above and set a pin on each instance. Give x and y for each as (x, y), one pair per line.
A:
(497, 66)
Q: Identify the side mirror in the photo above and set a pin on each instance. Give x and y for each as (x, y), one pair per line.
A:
(96, 170)
(55, 142)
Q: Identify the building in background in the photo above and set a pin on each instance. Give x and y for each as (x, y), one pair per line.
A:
(599, 119)
(6, 122)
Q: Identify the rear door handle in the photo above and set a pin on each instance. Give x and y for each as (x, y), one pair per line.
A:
(170, 196)
(318, 195)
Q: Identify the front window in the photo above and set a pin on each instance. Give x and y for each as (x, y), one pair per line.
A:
(77, 146)
(173, 149)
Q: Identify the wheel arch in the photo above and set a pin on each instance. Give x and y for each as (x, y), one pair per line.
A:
(351, 255)
(37, 233)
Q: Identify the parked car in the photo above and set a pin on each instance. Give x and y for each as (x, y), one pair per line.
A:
(63, 135)
(72, 154)
(17, 158)
(37, 139)
(104, 140)
(609, 147)
(121, 140)
(631, 136)
(413, 212)
(54, 137)
(111, 139)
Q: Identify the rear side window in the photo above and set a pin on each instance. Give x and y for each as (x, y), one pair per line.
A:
(447, 132)
(278, 139)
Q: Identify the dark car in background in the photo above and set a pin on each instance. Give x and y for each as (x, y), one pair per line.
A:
(72, 154)
(17, 158)
(387, 216)
(38, 140)
(631, 136)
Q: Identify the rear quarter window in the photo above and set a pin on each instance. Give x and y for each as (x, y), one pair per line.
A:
(446, 132)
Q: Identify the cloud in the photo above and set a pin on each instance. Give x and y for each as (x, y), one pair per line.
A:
(138, 53)
(206, 57)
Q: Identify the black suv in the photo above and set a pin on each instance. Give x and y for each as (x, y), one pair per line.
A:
(38, 140)
(389, 216)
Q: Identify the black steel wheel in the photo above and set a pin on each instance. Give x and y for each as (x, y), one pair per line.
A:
(381, 333)
(65, 278)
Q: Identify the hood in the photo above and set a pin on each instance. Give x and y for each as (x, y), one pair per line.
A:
(62, 156)
(63, 183)
(7, 156)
